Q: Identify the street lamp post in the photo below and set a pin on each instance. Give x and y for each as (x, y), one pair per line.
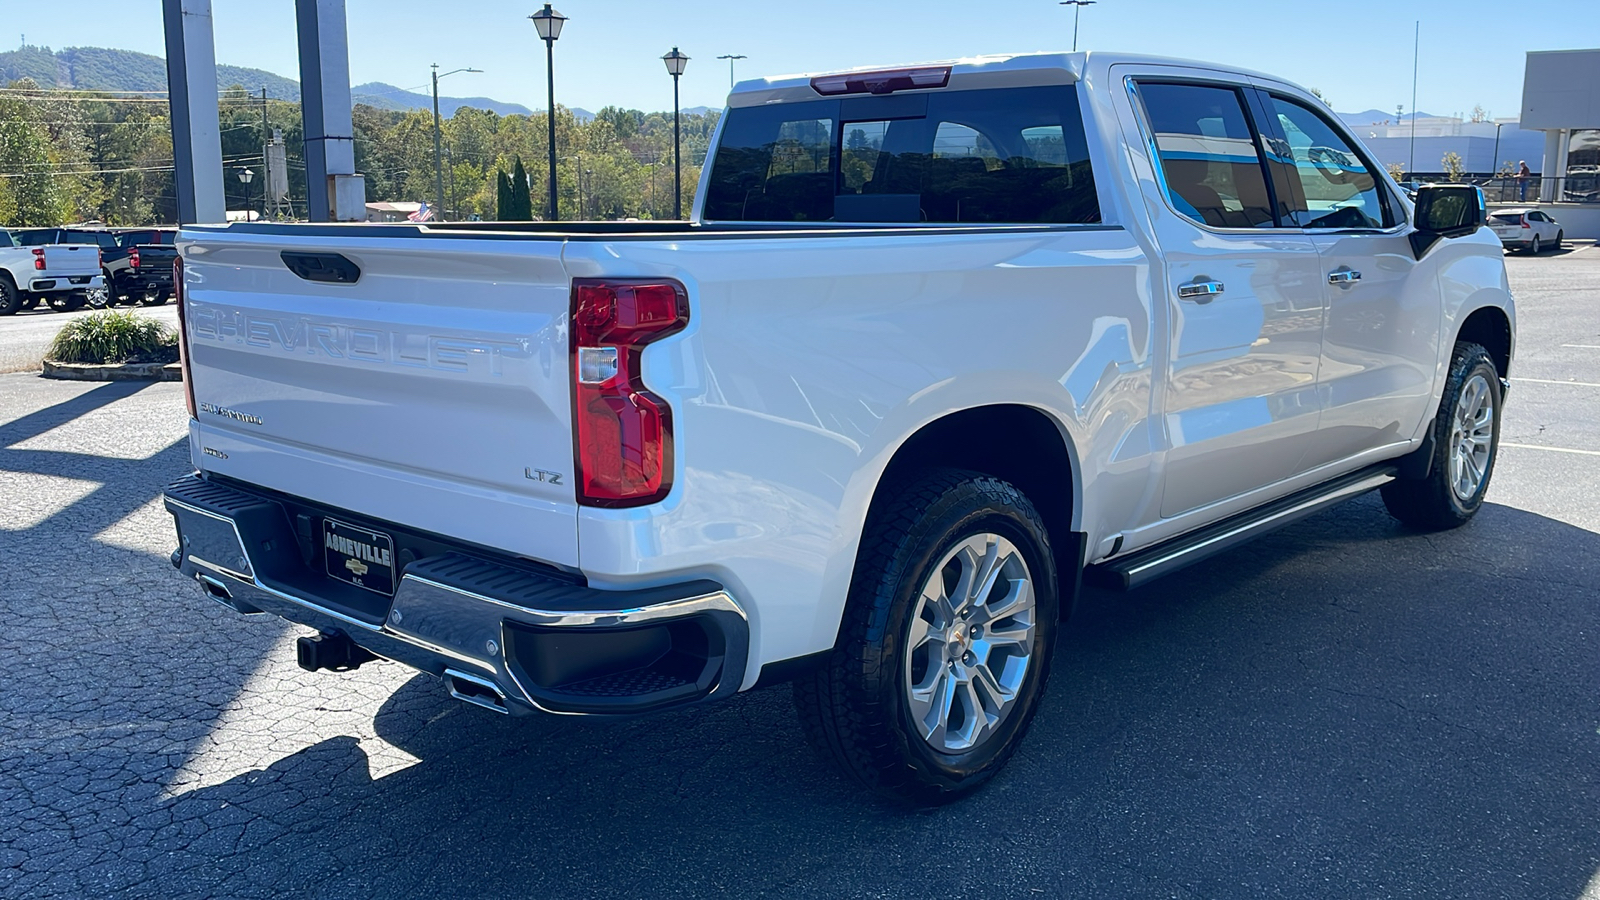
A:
(588, 176)
(676, 62)
(245, 177)
(730, 57)
(438, 163)
(1078, 6)
(549, 22)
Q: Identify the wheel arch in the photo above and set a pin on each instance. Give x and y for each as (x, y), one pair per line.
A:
(1489, 327)
(1019, 444)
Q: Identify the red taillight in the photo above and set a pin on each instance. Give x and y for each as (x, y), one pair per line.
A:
(622, 433)
(183, 336)
(38, 258)
(1525, 222)
(133, 257)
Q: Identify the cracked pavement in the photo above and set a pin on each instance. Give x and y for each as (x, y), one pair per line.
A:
(1343, 708)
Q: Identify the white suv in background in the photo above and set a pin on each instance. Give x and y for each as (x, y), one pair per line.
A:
(1526, 229)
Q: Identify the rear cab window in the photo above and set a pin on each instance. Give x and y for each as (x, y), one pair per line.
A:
(5, 239)
(105, 240)
(1205, 146)
(997, 156)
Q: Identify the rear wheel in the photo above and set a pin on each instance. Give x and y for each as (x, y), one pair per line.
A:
(103, 296)
(155, 298)
(10, 297)
(945, 644)
(1534, 247)
(1466, 442)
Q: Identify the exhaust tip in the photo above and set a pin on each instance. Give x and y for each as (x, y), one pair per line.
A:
(477, 691)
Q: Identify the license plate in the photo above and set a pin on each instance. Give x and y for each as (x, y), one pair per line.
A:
(358, 556)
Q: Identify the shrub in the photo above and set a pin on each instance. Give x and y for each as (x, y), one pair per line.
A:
(114, 337)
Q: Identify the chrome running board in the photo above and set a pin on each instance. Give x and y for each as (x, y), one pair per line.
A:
(1143, 566)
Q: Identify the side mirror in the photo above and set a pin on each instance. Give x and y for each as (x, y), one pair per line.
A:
(1446, 211)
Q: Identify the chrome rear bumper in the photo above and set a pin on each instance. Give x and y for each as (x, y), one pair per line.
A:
(502, 636)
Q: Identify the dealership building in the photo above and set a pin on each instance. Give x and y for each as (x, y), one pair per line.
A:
(1561, 99)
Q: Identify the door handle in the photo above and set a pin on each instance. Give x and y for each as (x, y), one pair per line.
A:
(1344, 276)
(1199, 291)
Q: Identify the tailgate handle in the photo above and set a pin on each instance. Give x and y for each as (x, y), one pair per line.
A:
(326, 267)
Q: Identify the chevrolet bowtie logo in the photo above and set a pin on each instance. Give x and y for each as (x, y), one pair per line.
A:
(356, 567)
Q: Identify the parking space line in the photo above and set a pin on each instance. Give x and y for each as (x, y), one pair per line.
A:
(1551, 449)
(1582, 346)
(1554, 381)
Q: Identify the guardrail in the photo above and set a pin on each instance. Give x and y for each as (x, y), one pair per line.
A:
(1574, 187)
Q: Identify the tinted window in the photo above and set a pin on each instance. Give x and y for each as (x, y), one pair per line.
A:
(1332, 187)
(104, 239)
(1208, 154)
(999, 156)
(36, 238)
(5, 239)
(135, 238)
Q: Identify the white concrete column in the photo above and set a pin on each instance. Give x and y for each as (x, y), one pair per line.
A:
(334, 192)
(1552, 152)
(192, 91)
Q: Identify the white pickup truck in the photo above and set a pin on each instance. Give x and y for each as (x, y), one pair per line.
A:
(60, 274)
(938, 343)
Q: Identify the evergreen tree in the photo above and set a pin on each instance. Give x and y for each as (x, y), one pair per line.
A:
(521, 198)
(502, 206)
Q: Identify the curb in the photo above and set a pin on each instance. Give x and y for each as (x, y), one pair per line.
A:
(102, 372)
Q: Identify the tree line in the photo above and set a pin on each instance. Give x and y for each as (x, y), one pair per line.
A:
(78, 156)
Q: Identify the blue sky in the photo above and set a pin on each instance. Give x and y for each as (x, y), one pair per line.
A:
(1358, 52)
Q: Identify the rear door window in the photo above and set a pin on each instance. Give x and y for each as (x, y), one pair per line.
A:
(1014, 156)
(1209, 161)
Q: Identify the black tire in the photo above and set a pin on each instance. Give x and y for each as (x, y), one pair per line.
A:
(10, 297)
(1560, 236)
(1432, 503)
(159, 298)
(854, 708)
(67, 302)
(1533, 248)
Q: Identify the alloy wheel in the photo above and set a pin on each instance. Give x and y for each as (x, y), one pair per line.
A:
(970, 643)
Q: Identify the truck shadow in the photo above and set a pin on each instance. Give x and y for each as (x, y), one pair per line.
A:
(1343, 703)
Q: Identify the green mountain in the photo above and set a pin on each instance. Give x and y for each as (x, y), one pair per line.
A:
(97, 68)
(100, 69)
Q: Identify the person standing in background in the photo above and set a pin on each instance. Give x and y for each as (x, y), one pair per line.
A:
(1523, 173)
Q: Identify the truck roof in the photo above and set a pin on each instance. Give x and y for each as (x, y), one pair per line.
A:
(996, 70)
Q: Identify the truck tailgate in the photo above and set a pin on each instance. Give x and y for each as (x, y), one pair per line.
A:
(70, 259)
(431, 392)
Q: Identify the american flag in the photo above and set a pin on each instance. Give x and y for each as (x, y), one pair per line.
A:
(423, 214)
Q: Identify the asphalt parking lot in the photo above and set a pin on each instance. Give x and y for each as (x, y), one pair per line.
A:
(1342, 709)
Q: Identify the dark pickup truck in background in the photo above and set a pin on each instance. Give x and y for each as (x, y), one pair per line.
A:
(140, 269)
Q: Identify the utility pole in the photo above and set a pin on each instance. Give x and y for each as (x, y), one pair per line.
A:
(730, 57)
(266, 167)
(438, 156)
